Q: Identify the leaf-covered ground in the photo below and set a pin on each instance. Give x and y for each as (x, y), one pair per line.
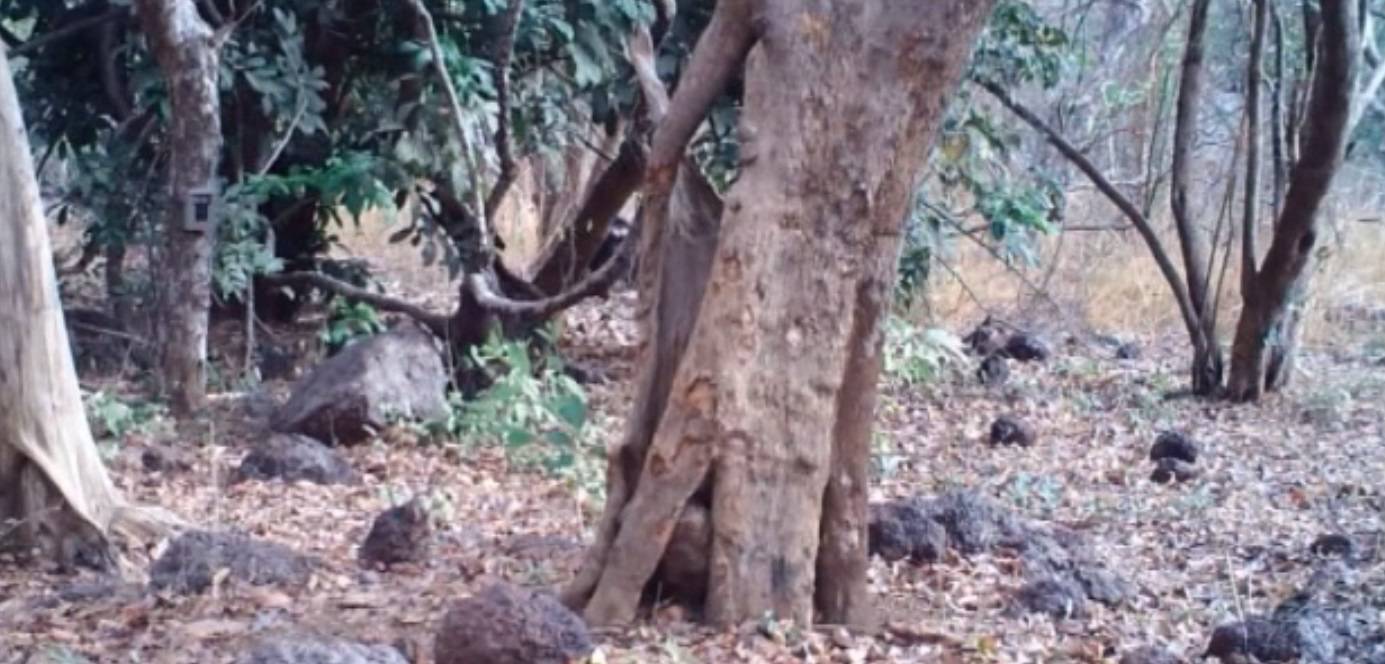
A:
(1233, 541)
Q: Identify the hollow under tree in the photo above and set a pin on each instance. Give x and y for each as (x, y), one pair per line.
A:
(762, 422)
(55, 495)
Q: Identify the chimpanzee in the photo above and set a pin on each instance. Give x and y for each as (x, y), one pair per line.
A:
(617, 233)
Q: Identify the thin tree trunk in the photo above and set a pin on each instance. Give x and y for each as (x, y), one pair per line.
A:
(187, 53)
(1251, 196)
(770, 407)
(1261, 335)
(54, 492)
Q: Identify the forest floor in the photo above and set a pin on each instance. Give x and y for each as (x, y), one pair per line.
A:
(1231, 542)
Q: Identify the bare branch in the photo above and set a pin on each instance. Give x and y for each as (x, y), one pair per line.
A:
(436, 323)
(592, 284)
(35, 43)
(1156, 248)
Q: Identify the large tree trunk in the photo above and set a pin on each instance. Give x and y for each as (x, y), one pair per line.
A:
(767, 418)
(1267, 328)
(55, 496)
(187, 52)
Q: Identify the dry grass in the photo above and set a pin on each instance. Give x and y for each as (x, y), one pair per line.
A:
(1107, 282)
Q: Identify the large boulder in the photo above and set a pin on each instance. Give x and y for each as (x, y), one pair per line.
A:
(505, 624)
(369, 384)
(292, 458)
(195, 559)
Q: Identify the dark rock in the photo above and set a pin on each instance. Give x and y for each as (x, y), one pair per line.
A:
(367, 386)
(683, 569)
(583, 374)
(158, 458)
(1151, 655)
(1025, 347)
(1264, 639)
(1056, 597)
(194, 559)
(306, 649)
(1170, 470)
(293, 458)
(975, 524)
(1010, 430)
(987, 339)
(993, 370)
(400, 534)
(1333, 544)
(1128, 351)
(504, 624)
(1173, 445)
(905, 529)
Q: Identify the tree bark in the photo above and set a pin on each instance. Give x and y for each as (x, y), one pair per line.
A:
(55, 495)
(768, 413)
(186, 50)
(1266, 332)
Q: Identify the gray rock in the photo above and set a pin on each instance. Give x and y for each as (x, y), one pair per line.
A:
(505, 624)
(306, 649)
(194, 558)
(365, 387)
(293, 458)
(400, 534)
(1056, 597)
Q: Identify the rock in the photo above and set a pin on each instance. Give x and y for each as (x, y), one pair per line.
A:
(1010, 430)
(1173, 445)
(400, 534)
(1055, 597)
(1151, 655)
(504, 624)
(293, 458)
(1128, 351)
(1333, 544)
(159, 458)
(1264, 639)
(975, 524)
(1170, 470)
(307, 649)
(993, 370)
(683, 569)
(987, 339)
(1024, 347)
(904, 529)
(196, 557)
(368, 385)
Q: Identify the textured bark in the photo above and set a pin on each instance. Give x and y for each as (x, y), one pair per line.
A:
(1268, 326)
(54, 493)
(185, 48)
(772, 401)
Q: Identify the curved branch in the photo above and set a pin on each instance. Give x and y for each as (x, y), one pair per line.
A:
(436, 323)
(592, 284)
(504, 52)
(68, 30)
(1138, 220)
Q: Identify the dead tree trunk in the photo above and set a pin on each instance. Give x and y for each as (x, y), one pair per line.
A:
(187, 53)
(55, 496)
(767, 418)
(1263, 349)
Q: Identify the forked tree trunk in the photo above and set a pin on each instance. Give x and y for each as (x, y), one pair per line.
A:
(187, 53)
(1266, 334)
(769, 410)
(55, 495)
